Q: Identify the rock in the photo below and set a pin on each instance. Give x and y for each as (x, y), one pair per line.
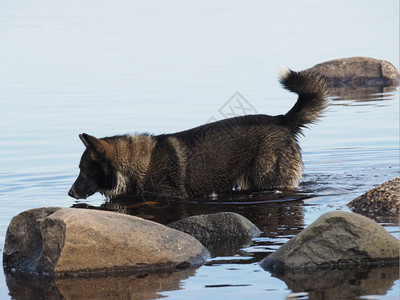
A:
(217, 226)
(383, 200)
(222, 233)
(358, 71)
(64, 241)
(336, 240)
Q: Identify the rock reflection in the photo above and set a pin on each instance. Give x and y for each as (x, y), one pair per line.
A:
(341, 284)
(226, 247)
(133, 286)
(363, 93)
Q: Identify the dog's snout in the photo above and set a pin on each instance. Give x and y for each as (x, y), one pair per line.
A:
(81, 190)
(72, 193)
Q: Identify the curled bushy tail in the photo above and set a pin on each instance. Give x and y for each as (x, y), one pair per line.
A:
(313, 92)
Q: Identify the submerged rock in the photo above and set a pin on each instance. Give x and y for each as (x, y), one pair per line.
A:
(336, 240)
(63, 241)
(383, 200)
(358, 71)
(217, 226)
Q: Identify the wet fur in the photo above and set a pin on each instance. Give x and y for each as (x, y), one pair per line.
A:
(253, 152)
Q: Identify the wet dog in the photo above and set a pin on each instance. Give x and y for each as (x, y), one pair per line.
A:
(252, 152)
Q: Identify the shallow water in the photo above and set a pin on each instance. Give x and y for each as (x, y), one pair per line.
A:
(123, 67)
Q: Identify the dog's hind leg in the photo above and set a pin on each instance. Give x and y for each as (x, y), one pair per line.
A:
(279, 167)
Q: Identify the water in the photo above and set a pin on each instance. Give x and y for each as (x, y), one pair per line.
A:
(108, 68)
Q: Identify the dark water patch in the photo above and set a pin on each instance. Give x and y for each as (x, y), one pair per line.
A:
(225, 285)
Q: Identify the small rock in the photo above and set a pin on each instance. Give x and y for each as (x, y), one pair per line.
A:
(222, 233)
(336, 240)
(383, 200)
(217, 226)
(63, 241)
(358, 71)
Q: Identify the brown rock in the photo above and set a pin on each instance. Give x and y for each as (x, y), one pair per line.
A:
(383, 200)
(72, 241)
(358, 71)
(336, 240)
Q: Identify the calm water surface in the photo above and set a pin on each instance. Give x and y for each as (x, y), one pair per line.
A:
(108, 68)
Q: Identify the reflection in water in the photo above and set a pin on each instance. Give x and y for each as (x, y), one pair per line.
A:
(133, 286)
(363, 93)
(270, 210)
(341, 284)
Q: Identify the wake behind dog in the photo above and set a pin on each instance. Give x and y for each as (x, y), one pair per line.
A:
(252, 152)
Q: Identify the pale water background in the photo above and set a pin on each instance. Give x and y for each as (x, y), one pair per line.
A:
(115, 67)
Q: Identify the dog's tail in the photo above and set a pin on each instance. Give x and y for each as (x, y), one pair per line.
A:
(313, 92)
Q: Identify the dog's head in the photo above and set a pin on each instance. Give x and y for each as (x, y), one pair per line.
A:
(95, 168)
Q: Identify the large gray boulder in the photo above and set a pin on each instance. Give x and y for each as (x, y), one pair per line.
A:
(381, 201)
(358, 71)
(336, 240)
(64, 241)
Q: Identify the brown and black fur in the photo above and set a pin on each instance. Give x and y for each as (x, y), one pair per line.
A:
(253, 152)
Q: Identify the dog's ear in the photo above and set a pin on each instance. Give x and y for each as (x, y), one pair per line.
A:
(100, 147)
(85, 139)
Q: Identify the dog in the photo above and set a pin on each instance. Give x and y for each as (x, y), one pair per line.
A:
(247, 153)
